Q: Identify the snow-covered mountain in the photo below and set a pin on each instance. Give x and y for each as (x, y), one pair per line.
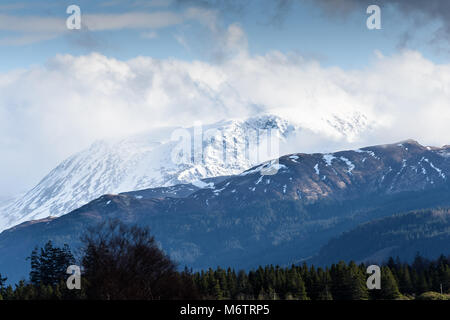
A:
(169, 156)
(252, 219)
(153, 159)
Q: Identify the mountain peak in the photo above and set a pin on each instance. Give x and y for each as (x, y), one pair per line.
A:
(405, 144)
(410, 142)
(144, 161)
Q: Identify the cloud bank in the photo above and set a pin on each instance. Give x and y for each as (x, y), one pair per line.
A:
(49, 112)
(28, 29)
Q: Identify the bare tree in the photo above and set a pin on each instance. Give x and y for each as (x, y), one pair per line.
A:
(124, 262)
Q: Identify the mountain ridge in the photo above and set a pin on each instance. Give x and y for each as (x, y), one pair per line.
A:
(142, 161)
(250, 219)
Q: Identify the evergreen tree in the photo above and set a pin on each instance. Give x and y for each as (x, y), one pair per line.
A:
(405, 282)
(323, 291)
(49, 264)
(243, 285)
(340, 281)
(357, 283)
(231, 283)
(218, 294)
(295, 285)
(9, 293)
(312, 283)
(262, 295)
(2, 281)
(389, 287)
(2, 285)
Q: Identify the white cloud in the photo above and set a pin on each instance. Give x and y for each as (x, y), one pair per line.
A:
(31, 24)
(206, 17)
(231, 42)
(26, 29)
(131, 20)
(48, 112)
(12, 6)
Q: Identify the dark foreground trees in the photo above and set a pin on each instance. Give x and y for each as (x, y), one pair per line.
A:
(121, 262)
(124, 262)
(47, 276)
(49, 264)
(341, 281)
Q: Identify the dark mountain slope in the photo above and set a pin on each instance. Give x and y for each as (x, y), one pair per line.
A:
(253, 219)
(427, 232)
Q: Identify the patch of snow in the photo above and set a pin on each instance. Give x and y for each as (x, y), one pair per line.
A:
(439, 171)
(267, 168)
(404, 163)
(328, 158)
(294, 158)
(403, 167)
(217, 191)
(316, 168)
(349, 164)
(371, 153)
(202, 185)
(259, 180)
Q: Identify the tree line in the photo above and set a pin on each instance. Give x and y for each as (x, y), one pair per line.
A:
(121, 262)
(341, 281)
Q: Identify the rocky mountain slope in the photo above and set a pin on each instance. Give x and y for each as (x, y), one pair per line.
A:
(251, 218)
(145, 161)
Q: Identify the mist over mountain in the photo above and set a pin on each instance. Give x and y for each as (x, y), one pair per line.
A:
(155, 159)
(143, 161)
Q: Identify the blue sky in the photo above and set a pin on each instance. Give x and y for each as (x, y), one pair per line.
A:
(304, 28)
(140, 64)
